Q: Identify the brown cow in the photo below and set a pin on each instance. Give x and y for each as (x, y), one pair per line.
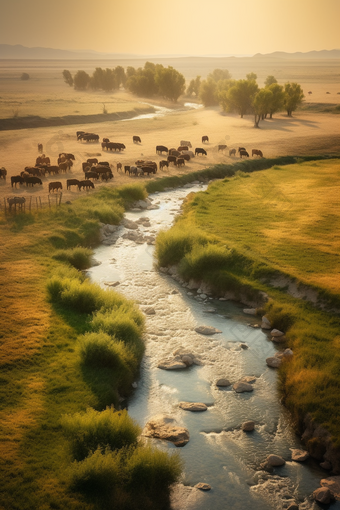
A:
(163, 163)
(71, 182)
(54, 186)
(85, 184)
(232, 152)
(205, 139)
(256, 152)
(3, 173)
(119, 166)
(222, 147)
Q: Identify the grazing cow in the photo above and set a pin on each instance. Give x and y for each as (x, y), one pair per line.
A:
(172, 159)
(15, 179)
(161, 148)
(91, 175)
(108, 175)
(183, 148)
(180, 162)
(241, 149)
(184, 142)
(32, 181)
(20, 201)
(127, 169)
(222, 147)
(119, 166)
(85, 184)
(135, 170)
(71, 182)
(152, 164)
(40, 147)
(256, 152)
(310, 92)
(33, 170)
(174, 152)
(3, 173)
(232, 152)
(54, 186)
(89, 137)
(148, 170)
(104, 163)
(205, 139)
(199, 150)
(79, 134)
(163, 163)
(93, 161)
(244, 153)
(54, 169)
(106, 140)
(65, 165)
(104, 145)
(136, 139)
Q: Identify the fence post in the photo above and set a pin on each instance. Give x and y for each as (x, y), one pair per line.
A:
(30, 204)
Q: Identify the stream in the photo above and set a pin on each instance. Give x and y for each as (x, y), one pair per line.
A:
(219, 452)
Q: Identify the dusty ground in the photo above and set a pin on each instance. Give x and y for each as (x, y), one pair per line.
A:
(303, 134)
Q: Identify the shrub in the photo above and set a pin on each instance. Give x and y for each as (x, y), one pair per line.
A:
(202, 259)
(132, 192)
(173, 245)
(78, 257)
(98, 474)
(107, 213)
(102, 351)
(92, 429)
(151, 468)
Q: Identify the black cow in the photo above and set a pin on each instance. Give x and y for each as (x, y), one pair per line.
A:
(71, 182)
(91, 175)
(3, 173)
(199, 150)
(32, 181)
(244, 153)
(172, 159)
(161, 148)
(136, 139)
(85, 184)
(15, 179)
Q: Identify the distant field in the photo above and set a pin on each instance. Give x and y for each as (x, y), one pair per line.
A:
(46, 94)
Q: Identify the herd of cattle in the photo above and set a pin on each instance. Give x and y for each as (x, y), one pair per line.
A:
(95, 170)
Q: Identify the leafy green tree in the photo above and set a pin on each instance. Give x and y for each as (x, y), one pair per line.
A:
(130, 71)
(142, 81)
(251, 76)
(208, 92)
(171, 83)
(81, 80)
(277, 100)
(270, 80)
(68, 77)
(194, 86)
(120, 76)
(219, 74)
(293, 97)
(240, 96)
(261, 104)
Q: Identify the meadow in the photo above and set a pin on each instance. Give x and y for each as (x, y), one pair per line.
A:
(259, 232)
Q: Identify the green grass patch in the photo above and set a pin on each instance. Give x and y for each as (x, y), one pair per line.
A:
(79, 257)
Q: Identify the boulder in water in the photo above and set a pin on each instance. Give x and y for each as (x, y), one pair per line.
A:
(207, 330)
(195, 407)
(165, 427)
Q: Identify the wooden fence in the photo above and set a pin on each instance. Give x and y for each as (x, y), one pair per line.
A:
(15, 205)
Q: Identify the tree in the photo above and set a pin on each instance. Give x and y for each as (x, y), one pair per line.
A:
(25, 76)
(81, 80)
(251, 76)
(219, 74)
(270, 80)
(277, 100)
(171, 83)
(142, 81)
(194, 86)
(261, 104)
(120, 76)
(240, 96)
(68, 77)
(293, 97)
(208, 92)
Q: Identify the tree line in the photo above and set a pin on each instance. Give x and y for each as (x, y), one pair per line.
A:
(245, 96)
(150, 80)
(240, 96)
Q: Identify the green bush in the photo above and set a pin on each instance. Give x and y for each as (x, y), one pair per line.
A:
(98, 474)
(92, 429)
(78, 257)
(151, 468)
(102, 351)
(174, 244)
(132, 192)
(202, 259)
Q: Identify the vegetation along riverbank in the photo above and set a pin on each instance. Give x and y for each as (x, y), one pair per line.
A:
(275, 233)
(68, 350)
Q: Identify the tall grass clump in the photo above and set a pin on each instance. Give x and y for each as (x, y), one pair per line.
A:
(107, 213)
(92, 429)
(78, 257)
(202, 259)
(99, 350)
(152, 468)
(132, 192)
(98, 474)
(122, 326)
(174, 244)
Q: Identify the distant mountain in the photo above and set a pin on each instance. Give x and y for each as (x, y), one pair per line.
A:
(8, 51)
(316, 55)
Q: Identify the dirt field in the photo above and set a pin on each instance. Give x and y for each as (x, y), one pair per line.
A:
(46, 93)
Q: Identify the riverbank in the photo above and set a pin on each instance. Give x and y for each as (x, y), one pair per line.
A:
(259, 261)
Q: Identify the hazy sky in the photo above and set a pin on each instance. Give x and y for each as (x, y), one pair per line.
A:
(194, 27)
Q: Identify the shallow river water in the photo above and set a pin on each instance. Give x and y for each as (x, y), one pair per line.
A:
(219, 452)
